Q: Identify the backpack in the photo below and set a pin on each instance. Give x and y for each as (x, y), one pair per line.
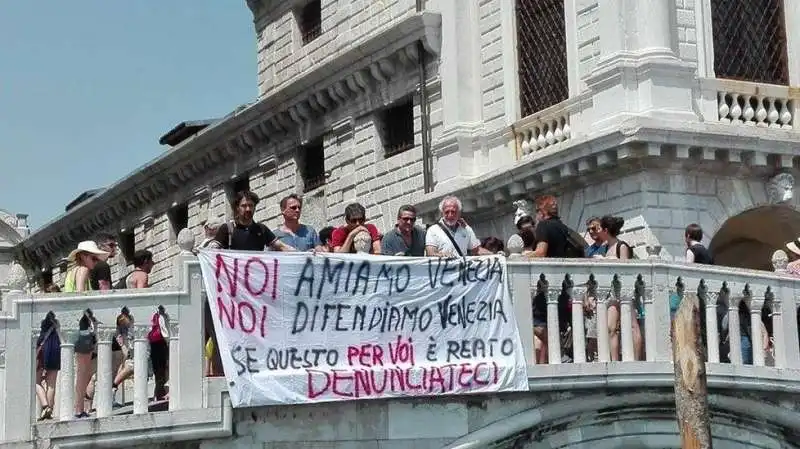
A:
(576, 245)
(154, 336)
(122, 283)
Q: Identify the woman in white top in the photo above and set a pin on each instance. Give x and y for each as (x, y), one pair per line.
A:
(610, 228)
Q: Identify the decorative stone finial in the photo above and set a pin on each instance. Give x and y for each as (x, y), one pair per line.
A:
(653, 251)
(515, 246)
(17, 278)
(523, 209)
(780, 188)
(779, 261)
(362, 242)
(186, 241)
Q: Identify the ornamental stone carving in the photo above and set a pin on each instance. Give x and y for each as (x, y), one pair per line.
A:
(362, 242)
(17, 278)
(779, 261)
(523, 209)
(780, 188)
(515, 247)
(186, 241)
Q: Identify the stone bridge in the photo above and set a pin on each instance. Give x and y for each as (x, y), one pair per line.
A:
(582, 404)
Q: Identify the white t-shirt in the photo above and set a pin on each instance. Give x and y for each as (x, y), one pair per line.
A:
(464, 237)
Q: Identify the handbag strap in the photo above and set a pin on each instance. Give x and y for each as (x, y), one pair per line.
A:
(451, 237)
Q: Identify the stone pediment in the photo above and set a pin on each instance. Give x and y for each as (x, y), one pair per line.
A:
(366, 66)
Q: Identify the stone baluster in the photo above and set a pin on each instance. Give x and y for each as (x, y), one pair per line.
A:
(601, 309)
(734, 333)
(141, 352)
(578, 331)
(66, 377)
(756, 334)
(712, 331)
(174, 366)
(553, 329)
(105, 378)
(625, 319)
(778, 334)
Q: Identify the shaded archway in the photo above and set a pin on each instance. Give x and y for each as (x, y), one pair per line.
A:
(747, 240)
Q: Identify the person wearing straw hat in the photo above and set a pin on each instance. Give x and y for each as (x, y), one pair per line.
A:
(793, 267)
(82, 259)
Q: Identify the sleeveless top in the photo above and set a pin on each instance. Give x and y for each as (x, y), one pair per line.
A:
(69, 281)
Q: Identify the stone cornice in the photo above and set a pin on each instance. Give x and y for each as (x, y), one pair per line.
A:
(640, 141)
(366, 65)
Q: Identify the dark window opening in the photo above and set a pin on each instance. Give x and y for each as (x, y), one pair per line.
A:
(396, 126)
(309, 20)
(127, 245)
(750, 40)
(541, 54)
(178, 218)
(312, 165)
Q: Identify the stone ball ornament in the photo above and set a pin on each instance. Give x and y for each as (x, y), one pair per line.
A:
(186, 240)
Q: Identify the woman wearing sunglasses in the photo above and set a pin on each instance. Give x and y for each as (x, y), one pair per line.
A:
(82, 259)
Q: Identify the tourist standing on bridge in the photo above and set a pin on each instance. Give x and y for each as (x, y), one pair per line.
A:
(101, 273)
(82, 260)
(245, 234)
(406, 239)
(48, 364)
(300, 236)
(695, 251)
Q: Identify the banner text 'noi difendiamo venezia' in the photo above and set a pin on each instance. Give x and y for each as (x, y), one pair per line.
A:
(300, 328)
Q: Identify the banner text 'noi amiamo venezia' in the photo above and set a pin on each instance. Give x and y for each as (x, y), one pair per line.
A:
(301, 328)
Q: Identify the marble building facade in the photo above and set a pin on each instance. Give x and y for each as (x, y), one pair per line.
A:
(641, 109)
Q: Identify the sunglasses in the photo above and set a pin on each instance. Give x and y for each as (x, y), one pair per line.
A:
(409, 219)
(357, 221)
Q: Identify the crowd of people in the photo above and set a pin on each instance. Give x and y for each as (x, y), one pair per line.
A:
(542, 234)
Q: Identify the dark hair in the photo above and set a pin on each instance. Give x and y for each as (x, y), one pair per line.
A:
(528, 238)
(613, 225)
(141, 257)
(325, 234)
(104, 237)
(694, 232)
(406, 208)
(493, 244)
(291, 196)
(48, 321)
(592, 220)
(244, 195)
(354, 210)
(525, 219)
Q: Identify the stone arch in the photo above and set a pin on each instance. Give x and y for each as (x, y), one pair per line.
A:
(748, 239)
(641, 419)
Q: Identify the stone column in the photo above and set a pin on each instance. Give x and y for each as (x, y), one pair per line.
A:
(734, 334)
(712, 331)
(66, 377)
(174, 367)
(755, 326)
(639, 72)
(553, 330)
(141, 352)
(105, 378)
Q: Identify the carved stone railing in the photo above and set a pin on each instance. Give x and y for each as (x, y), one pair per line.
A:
(543, 129)
(753, 104)
(198, 407)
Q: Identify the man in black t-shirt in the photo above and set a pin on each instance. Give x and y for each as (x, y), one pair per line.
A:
(551, 233)
(100, 275)
(247, 234)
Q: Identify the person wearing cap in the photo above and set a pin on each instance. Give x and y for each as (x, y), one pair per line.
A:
(82, 260)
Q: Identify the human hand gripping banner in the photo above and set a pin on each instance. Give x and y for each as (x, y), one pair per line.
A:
(298, 328)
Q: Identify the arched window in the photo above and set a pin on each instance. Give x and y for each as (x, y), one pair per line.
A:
(750, 40)
(542, 54)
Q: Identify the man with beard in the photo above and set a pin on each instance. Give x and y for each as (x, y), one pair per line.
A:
(451, 236)
(244, 233)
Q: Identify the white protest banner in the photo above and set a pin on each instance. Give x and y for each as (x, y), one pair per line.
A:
(300, 328)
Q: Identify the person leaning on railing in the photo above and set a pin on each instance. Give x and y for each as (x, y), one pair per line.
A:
(48, 363)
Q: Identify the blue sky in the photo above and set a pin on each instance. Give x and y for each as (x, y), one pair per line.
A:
(88, 86)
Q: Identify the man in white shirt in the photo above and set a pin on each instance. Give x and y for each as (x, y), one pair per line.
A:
(451, 236)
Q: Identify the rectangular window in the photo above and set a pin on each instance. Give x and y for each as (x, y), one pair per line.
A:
(178, 220)
(309, 21)
(396, 127)
(311, 159)
(127, 245)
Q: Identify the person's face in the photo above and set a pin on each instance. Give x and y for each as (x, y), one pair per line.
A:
(211, 231)
(245, 210)
(450, 212)
(110, 246)
(593, 228)
(406, 220)
(354, 222)
(292, 209)
(525, 226)
(602, 234)
(89, 260)
(148, 266)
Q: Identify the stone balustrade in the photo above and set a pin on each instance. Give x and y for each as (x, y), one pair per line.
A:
(545, 128)
(198, 406)
(753, 104)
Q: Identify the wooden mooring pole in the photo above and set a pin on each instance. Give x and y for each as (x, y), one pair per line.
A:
(691, 392)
